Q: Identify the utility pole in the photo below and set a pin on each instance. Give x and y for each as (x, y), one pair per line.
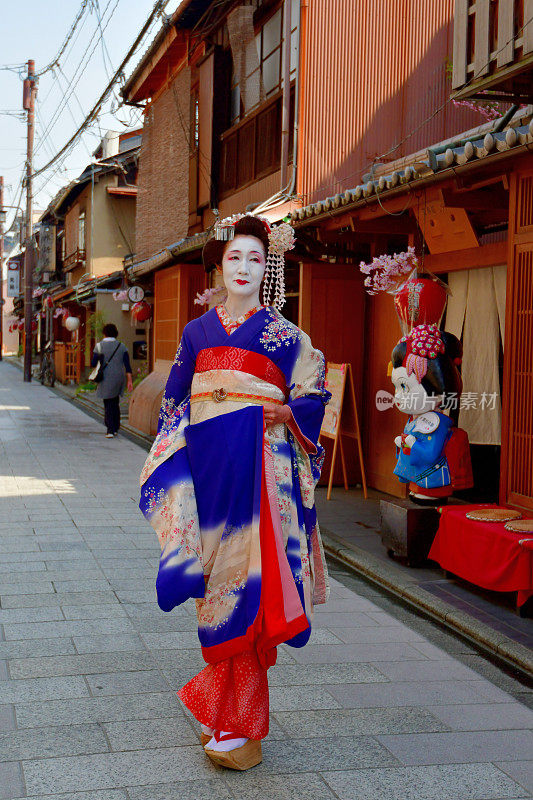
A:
(28, 103)
(1, 267)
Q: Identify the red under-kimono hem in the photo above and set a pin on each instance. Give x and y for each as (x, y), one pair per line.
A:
(231, 695)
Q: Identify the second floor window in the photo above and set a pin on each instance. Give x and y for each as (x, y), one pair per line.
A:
(81, 231)
(194, 120)
(258, 58)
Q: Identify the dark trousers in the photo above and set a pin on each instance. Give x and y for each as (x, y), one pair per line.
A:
(112, 414)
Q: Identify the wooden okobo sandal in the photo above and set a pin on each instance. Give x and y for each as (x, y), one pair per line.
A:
(241, 758)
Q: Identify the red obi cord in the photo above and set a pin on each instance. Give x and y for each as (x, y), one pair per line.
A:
(242, 360)
(231, 695)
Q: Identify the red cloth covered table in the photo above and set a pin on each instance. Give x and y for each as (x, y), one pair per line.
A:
(484, 553)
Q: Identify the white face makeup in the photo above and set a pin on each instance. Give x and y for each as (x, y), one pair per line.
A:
(410, 396)
(243, 267)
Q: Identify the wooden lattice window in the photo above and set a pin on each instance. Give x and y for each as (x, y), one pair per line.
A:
(517, 429)
(521, 433)
(524, 206)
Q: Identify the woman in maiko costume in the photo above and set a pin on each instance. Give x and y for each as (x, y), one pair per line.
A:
(229, 487)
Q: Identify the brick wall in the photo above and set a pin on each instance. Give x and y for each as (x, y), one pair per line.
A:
(162, 215)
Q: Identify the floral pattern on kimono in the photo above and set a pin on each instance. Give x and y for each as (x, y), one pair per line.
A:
(231, 502)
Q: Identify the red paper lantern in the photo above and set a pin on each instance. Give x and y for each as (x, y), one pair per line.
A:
(49, 302)
(420, 301)
(20, 326)
(141, 311)
(34, 326)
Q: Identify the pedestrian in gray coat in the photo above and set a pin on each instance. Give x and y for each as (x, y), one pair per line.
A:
(117, 373)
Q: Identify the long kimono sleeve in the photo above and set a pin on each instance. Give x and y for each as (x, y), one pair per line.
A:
(178, 387)
(168, 500)
(308, 397)
(307, 401)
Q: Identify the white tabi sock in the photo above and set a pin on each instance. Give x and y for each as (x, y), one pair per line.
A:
(227, 744)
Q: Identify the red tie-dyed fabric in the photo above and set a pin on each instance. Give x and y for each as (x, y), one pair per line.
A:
(231, 695)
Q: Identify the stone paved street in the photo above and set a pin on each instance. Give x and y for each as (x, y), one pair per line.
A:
(381, 704)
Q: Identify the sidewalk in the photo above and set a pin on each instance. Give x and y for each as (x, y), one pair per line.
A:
(350, 528)
(381, 704)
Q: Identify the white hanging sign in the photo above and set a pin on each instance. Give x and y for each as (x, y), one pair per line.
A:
(13, 279)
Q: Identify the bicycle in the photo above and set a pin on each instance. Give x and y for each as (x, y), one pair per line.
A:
(47, 373)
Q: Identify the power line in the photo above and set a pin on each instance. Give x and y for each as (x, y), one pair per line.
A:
(69, 36)
(62, 103)
(17, 68)
(67, 55)
(158, 7)
(105, 51)
(16, 204)
(68, 105)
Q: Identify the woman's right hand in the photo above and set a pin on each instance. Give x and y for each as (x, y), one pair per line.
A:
(276, 415)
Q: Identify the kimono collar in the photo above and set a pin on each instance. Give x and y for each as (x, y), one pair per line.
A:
(229, 323)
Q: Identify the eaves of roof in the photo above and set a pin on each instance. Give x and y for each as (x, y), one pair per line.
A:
(168, 255)
(436, 167)
(156, 42)
(88, 288)
(513, 141)
(122, 191)
(74, 188)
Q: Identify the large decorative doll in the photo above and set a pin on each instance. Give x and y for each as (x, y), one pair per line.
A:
(229, 486)
(433, 456)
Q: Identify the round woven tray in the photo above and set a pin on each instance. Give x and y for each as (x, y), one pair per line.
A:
(520, 525)
(493, 514)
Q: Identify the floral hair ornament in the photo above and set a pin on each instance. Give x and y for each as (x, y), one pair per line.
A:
(224, 229)
(280, 239)
(216, 293)
(423, 342)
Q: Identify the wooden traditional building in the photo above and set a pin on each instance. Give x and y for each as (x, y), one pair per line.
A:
(269, 105)
(86, 232)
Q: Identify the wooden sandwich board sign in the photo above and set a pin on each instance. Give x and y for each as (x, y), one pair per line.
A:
(341, 419)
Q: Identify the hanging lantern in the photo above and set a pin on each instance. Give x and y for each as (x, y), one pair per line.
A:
(420, 301)
(141, 311)
(20, 326)
(49, 302)
(72, 323)
(34, 326)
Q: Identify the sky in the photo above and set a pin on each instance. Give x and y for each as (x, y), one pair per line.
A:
(37, 30)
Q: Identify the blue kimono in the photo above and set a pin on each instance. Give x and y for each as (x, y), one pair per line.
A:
(426, 464)
(232, 502)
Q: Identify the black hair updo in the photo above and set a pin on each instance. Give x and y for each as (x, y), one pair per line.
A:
(442, 375)
(247, 226)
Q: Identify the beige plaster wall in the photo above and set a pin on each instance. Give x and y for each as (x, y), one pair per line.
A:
(112, 312)
(114, 228)
(110, 229)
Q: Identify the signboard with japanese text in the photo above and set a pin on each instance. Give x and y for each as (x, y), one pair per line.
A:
(13, 278)
(341, 419)
(335, 380)
(46, 261)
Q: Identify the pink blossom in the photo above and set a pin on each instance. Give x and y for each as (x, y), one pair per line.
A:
(210, 294)
(384, 272)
